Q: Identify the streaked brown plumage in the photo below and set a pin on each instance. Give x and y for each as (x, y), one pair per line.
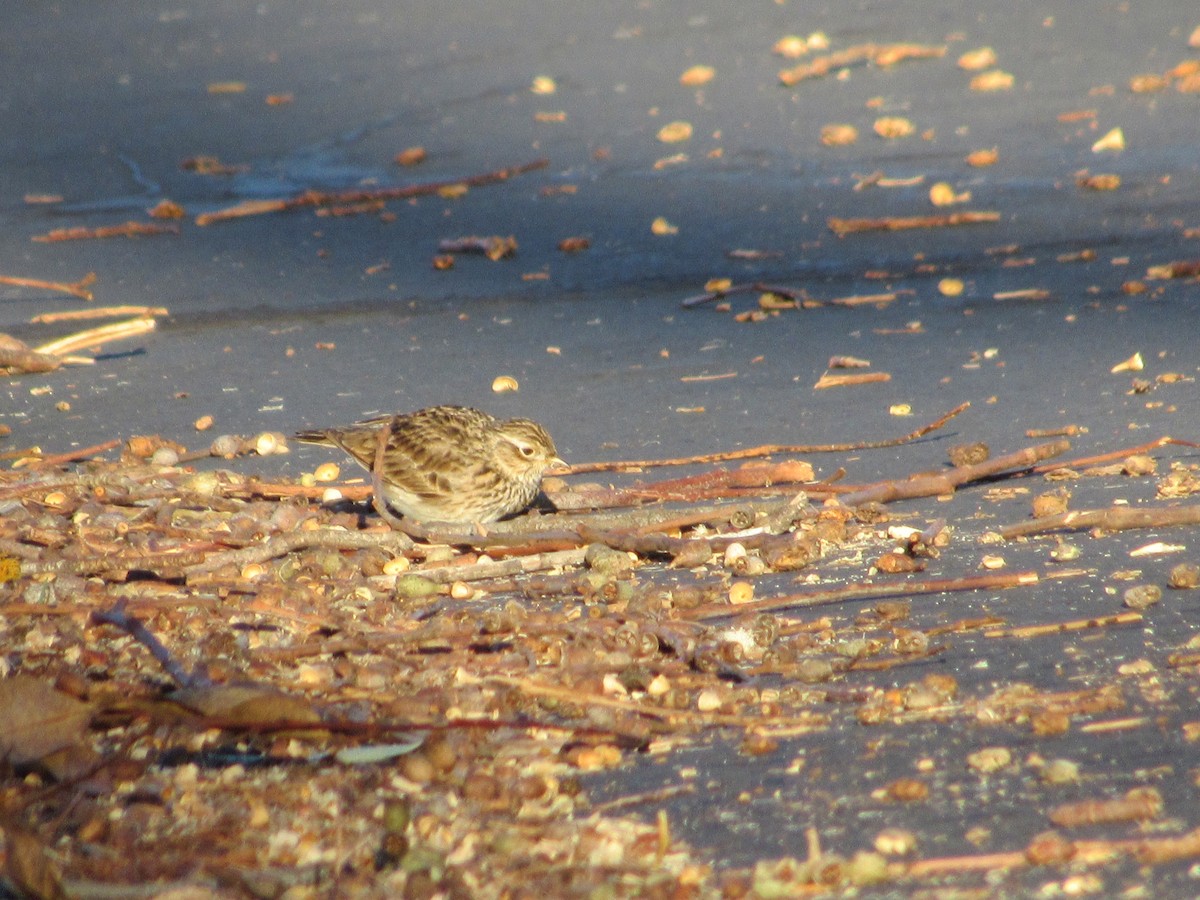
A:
(450, 463)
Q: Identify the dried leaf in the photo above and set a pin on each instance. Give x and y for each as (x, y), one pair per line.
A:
(38, 720)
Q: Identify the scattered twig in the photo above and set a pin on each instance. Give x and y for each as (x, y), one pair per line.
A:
(1114, 518)
(75, 289)
(127, 229)
(1114, 455)
(947, 482)
(322, 198)
(99, 312)
(879, 54)
(862, 592)
(118, 617)
(1025, 631)
(70, 456)
(100, 335)
(493, 247)
(850, 379)
(767, 450)
(843, 227)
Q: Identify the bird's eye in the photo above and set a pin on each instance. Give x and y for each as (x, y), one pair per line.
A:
(526, 450)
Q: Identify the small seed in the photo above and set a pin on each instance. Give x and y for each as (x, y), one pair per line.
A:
(504, 384)
(327, 472)
(460, 590)
(203, 423)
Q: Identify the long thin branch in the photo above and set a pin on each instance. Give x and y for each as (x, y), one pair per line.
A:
(862, 592)
(1115, 518)
(327, 198)
(766, 450)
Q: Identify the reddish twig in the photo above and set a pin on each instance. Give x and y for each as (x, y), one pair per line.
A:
(766, 450)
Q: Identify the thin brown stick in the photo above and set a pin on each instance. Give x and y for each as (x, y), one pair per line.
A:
(938, 483)
(126, 229)
(322, 198)
(1115, 518)
(70, 456)
(99, 312)
(1025, 631)
(879, 54)
(75, 289)
(102, 334)
(1101, 458)
(765, 450)
(843, 227)
(862, 592)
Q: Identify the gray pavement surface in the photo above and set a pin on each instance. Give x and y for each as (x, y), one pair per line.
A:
(287, 321)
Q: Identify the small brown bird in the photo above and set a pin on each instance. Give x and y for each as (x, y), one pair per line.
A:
(450, 463)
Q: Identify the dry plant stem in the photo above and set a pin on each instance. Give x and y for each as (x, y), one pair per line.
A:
(283, 544)
(1115, 455)
(749, 287)
(843, 227)
(75, 455)
(100, 335)
(1025, 631)
(767, 450)
(127, 229)
(118, 617)
(880, 54)
(78, 289)
(505, 568)
(861, 592)
(689, 716)
(320, 198)
(931, 485)
(99, 312)
(1115, 518)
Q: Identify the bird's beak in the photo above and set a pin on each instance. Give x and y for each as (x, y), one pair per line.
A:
(556, 465)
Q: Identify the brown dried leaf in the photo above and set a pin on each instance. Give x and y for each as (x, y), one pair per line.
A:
(29, 866)
(38, 720)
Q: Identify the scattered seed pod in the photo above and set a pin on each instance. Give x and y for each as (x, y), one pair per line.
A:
(165, 456)
(735, 557)
(329, 471)
(990, 759)
(697, 76)
(227, 446)
(414, 587)
(892, 127)
(460, 590)
(1051, 503)
(995, 80)
(1060, 771)
(791, 46)
(895, 842)
(741, 592)
(253, 571)
(675, 132)
(1065, 552)
(951, 287)
(978, 59)
(756, 744)
(1185, 575)
(270, 443)
(203, 423)
(662, 227)
(543, 85)
(504, 384)
(1049, 849)
(838, 135)
(1142, 596)
(410, 156)
(980, 159)
(907, 790)
(1139, 464)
